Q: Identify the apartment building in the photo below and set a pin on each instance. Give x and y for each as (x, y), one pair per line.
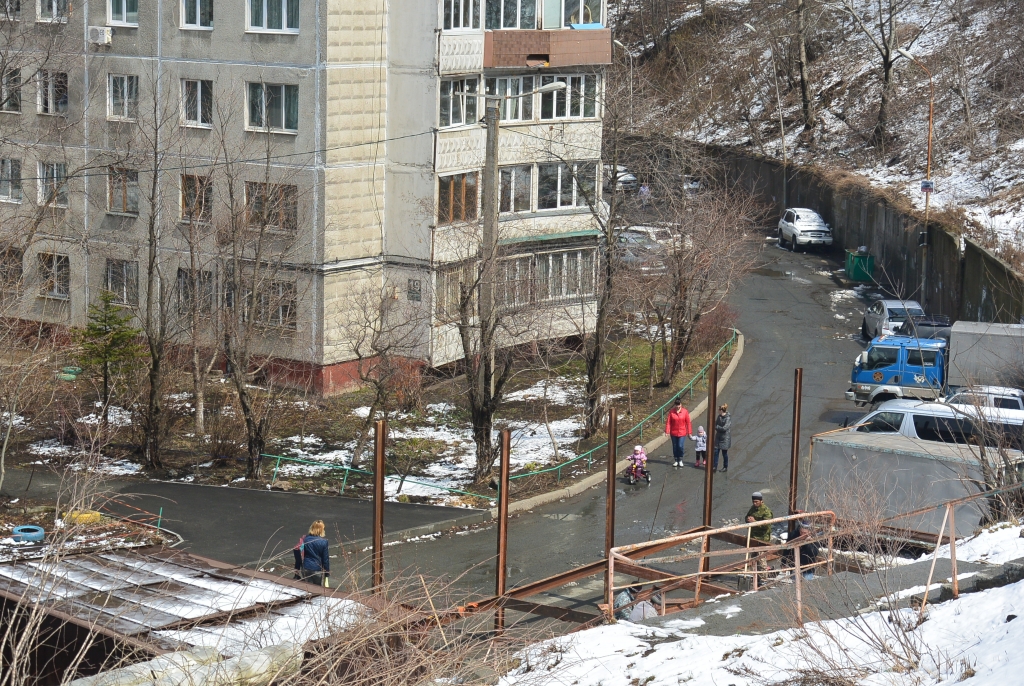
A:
(351, 128)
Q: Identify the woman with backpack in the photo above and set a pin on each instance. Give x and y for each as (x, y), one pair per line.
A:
(312, 561)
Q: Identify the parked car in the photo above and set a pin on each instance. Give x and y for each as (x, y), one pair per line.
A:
(943, 423)
(883, 316)
(1001, 397)
(638, 252)
(656, 234)
(802, 227)
(928, 326)
(623, 179)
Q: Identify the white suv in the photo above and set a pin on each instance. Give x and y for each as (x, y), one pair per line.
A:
(800, 226)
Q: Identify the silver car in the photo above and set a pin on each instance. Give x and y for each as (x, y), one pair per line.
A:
(883, 316)
(800, 226)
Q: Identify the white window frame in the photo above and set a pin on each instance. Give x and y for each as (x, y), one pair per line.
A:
(53, 11)
(504, 22)
(11, 189)
(50, 174)
(264, 87)
(579, 284)
(462, 94)
(567, 172)
(11, 10)
(513, 171)
(580, 6)
(127, 273)
(50, 263)
(277, 305)
(515, 281)
(126, 21)
(46, 94)
(448, 282)
(460, 15)
(205, 213)
(580, 90)
(10, 91)
(513, 107)
(129, 107)
(201, 85)
(250, 27)
(198, 25)
(282, 218)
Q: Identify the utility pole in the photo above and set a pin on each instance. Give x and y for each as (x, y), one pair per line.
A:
(927, 171)
(489, 247)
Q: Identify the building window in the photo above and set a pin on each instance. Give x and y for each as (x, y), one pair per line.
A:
(274, 107)
(53, 10)
(196, 198)
(10, 91)
(566, 185)
(578, 100)
(511, 14)
(197, 102)
(10, 180)
(274, 15)
(452, 284)
(272, 206)
(55, 274)
(124, 97)
(124, 12)
(53, 92)
(516, 188)
(461, 14)
(11, 10)
(197, 14)
(53, 184)
(457, 198)
(122, 191)
(581, 12)
(195, 290)
(515, 280)
(565, 274)
(276, 305)
(10, 269)
(513, 108)
(458, 102)
(123, 281)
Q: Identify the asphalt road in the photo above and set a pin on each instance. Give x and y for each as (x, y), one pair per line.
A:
(789, 312)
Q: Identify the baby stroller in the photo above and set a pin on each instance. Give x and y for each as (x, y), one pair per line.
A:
(637, 468)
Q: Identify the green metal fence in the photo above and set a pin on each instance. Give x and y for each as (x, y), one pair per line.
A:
(698, 379)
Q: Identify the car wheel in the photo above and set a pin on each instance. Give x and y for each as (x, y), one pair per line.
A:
(864, 329)
(782, 239)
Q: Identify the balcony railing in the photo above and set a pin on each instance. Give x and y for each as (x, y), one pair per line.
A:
(566, 48)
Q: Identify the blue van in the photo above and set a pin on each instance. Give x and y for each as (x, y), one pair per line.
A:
(898, 367)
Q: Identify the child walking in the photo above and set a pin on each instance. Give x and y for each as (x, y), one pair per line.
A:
(700, 442)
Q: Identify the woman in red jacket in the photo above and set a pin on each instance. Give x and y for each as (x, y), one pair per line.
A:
(678, 427)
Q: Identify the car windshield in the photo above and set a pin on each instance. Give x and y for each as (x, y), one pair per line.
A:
(902, 312)
(879, 358)
(881, 423)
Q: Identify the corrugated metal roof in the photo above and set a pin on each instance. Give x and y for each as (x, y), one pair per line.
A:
(134, 593)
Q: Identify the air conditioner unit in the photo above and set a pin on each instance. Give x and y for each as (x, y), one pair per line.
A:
(101, 35)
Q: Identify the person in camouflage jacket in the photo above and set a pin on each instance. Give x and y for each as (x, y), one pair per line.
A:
(760, 512)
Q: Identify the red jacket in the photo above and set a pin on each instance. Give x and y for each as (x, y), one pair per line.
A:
(678, 423)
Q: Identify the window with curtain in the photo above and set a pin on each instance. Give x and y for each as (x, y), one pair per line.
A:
(53, 184)
(274, 107)
(511, 14)
(124, 12)
(577, 101)
(458, 102)
(53, 92)
(197, 14)
(274, 15)
(566, 185)
(122, 191)
(124, 96)
(461, 14)
(457, 198)
(516, 187)
(123, 281)
(10, 180)
(581, 12)
(513, 107)
(54, 10)
(197, 103)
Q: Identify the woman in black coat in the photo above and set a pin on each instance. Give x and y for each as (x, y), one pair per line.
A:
(723, 437)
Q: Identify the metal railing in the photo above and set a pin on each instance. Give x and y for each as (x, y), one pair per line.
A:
(698, 379)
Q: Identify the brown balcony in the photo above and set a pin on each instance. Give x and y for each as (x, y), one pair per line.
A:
(565, 48)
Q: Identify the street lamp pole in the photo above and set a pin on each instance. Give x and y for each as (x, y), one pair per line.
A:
(489, 232)
(630, 56)
(928, 167)
(782, 123)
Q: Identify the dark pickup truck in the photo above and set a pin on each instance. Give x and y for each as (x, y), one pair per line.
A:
(929, 326)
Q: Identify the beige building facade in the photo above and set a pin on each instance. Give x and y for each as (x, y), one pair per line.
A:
(358, 123)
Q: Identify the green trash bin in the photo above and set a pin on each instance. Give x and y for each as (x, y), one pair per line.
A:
(860, 266)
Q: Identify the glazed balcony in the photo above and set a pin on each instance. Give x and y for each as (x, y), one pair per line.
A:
(515, 49)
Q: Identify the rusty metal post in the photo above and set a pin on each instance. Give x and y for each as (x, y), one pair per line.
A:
(952, 548)
(609, 511)
(794, 450)
(798, 578)
(502, 571)
(379, 437)
(709, 473)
